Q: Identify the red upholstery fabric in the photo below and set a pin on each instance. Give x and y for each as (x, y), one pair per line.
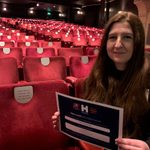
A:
(91, 50)
(28, 126)
(94, 42)
(67, 37)
(87, 146)
(78, 69)
(15, 52)
(8, 37)
(6, 44)
(24, 37)
(27, 44)
(46, 44)
(68, 52)
(147, 49)
(52, 44)
(40, 52)
(34, 70)
(79, 41)
(8, 71)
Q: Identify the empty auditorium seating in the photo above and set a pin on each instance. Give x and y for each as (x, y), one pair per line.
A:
(7, 44)
(46, 43)
(52, 44)
(94, 42)
(79, 41)
(8, 71)
(26, 44)
(25, 116)
(67, 39)
(91, 50)
(26, 107)
(8, 38)
(40, 52)
(14, 52)
(45, 68)
(23, 44)
(80, 66)
(26, 37)
(68, 52)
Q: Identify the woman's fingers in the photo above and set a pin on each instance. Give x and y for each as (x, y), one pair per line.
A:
(55, 118)
(131, 144)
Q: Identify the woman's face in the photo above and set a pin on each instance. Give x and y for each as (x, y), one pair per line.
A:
(120, 44)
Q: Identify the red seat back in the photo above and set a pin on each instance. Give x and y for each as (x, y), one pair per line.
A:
(40, 52)
(15, 52)
(25, 116)
(8, 71)
(7, 44)
(41, 69)
(80, 66)
(68, 52)
(23, 44)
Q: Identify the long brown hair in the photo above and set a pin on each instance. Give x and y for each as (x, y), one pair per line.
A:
(127, 88)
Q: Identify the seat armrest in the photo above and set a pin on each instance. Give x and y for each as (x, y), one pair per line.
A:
(71, 79)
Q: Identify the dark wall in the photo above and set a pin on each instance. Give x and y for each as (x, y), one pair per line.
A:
(98, 15)
(76, 18)
(20, 11)
(91, 15)
(94, 15)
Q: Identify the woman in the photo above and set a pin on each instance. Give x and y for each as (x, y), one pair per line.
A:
(120, 77)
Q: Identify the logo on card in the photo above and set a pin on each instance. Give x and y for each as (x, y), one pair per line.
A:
(84, 108)
(93, 110)
(76, 106)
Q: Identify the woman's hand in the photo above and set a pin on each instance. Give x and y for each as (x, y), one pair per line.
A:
(131, 144)
(55, 119)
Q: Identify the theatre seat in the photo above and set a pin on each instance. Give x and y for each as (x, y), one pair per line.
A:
(79, 41)
(8, 38)
(40, 52)
(25, 116)
(8, 71)
(68, 52)
(45, 68)
(7, 44)
(91, 50)
(26, 44)
(14, 52)
(94, 42)
(52, 44)
(79, 67)
(82, 63)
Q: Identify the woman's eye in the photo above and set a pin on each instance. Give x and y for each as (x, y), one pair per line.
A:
(127, 37)
(112, 37)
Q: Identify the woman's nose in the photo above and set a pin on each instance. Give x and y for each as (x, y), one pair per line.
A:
(118, 42)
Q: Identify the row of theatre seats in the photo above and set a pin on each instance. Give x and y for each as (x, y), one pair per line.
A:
(68, 43)
(45, 68)
(67, 34)
(31, 72)
(20, 53)
(26, 106)
(25, 116)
